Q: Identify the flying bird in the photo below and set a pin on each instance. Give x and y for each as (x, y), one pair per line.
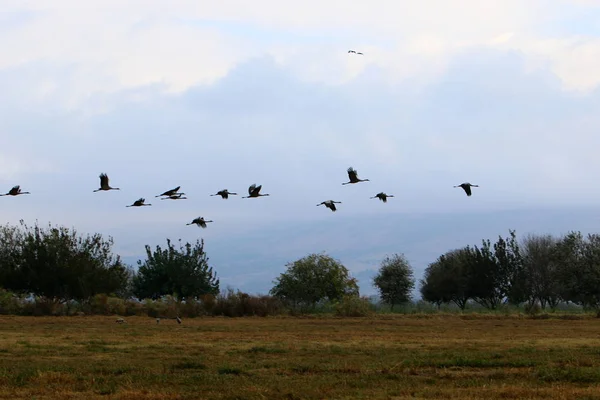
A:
(104, 184)
(353, 176)
(466, 187)
(224, 194)
(330, 204)
(382, 196)
(139, 203)
(200, 222)
(360, 54)
(351, 51)
(254, 191)
(170, 192)
(15, 191)
(176, 196)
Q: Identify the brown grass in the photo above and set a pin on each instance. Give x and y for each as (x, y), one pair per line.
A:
(383, 357)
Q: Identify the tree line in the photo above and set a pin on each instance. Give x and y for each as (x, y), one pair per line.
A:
(56, 268)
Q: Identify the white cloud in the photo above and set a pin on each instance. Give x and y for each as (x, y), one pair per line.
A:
(109, 45)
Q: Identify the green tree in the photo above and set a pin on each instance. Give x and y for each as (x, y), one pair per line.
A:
(541, 270)
(58, 264)
(395, 280)
(312, 279)
(182, 273)
(447, 279)
(579, 269)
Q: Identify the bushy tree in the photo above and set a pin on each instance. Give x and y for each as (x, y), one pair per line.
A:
(312, 279)
(447, 279)
(58, 264)
(540, 264)
(394, 280)
(578, 261)
(183, 272)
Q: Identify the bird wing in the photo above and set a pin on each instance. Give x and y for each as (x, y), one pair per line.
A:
(256, 190)
(15, 189)
(332, 206)
(352, 174)
(251, 189)
(103, 180)
(467, 189)
(225, 195)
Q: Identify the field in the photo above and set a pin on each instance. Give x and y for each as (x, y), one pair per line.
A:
(382, 357)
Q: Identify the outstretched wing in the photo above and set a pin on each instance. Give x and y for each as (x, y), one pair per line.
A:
(103, 180)
(251, 189)
(332, 206)
(467, 189)
(352, 174)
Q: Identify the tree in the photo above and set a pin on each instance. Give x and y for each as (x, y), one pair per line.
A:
(312, 279)
(182, 273)
(395, 280)
(447, 279)
(541, 269)
(496, 272)
(58, 264)
(578, 261)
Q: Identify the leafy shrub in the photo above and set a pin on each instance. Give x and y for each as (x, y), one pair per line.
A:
(353, 306)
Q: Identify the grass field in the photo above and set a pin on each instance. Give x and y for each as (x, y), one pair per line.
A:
(382, 357)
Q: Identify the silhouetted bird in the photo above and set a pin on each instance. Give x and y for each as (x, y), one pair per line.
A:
(170, 192)
(351, 51)
(139, 203)
(15, 191)
(382, 196)
(254, 191)
(200, 222)
(466, 187)
(360, 54)
(176, 196)
(224, 194)
(104, 184)
(352, 175)
(330, 204)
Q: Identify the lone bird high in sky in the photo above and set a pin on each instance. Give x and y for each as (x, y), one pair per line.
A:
(224, 194)
(466, 187)
(199, 221)
(330, 204)
(104, 184)
(254, 191)
(15, 191)
(139, 203)
(171, 192)
(382, 196)
(353, 176)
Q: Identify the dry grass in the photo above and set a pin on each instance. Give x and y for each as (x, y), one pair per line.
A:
(384, 357)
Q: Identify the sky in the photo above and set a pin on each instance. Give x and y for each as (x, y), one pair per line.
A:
(210, 96)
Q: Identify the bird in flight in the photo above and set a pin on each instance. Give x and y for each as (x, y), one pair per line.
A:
(254, 191)
(176, 196)
(466, 187)
(104, 184)
(15, 191)
(382, 196)
(355, 52)
(224, 194)
(139, 203)
(353, 176)
(199, 221)
(170, 192)
(330, 204)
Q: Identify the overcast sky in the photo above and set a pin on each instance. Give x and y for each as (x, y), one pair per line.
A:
(214, 95)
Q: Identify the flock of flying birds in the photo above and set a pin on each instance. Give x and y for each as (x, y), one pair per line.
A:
(253, 192)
